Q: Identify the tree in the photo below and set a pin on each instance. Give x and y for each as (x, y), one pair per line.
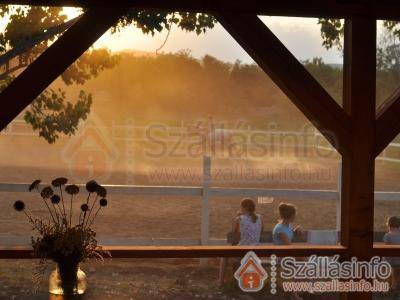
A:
(387, 56)
(30, 31)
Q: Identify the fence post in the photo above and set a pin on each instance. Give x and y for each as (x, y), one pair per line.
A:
(205, 205)
(339, 199)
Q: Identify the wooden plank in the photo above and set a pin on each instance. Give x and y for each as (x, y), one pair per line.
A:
(51, 63)
(290, 76)
(387, 122)
(386, 250)
(192, 251)
(339, 199)
(205, 201)
(358, 161)
(386, 9)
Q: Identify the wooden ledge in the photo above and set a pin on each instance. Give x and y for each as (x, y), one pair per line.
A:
(21, 252)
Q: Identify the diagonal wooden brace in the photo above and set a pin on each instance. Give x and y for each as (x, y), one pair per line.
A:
(55, 60)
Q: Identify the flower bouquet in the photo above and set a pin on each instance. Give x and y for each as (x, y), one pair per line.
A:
(58, 239)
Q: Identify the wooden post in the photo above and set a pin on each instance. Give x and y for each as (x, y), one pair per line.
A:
(339, 200)
(205, 205)
(358, 161)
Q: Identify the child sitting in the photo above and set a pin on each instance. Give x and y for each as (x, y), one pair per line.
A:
(247, 228)
(284, 231)
(392, 237)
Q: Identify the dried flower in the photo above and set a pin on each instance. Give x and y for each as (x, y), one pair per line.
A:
(55, 199)
(59, 240)
(19, 205)
(103, 202)
(47, 192)
(101, 191)
(72, 189)
(92, 186)
(34, 185)
(59, 181)
(84, 207)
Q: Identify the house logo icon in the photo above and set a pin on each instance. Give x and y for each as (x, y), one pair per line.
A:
(251, 274)
(90, 153)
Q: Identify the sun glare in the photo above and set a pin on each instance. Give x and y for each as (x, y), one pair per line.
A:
(72, 12)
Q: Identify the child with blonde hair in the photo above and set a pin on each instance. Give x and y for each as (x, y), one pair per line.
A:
(246, 230)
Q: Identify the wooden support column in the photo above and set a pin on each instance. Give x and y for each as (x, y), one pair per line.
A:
(358, 160)
(51, 63)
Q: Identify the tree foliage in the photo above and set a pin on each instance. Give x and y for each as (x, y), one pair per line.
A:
(387, 56)
(50, 111)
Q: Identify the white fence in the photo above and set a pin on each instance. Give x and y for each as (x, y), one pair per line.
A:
(205, 192)
(19, 127)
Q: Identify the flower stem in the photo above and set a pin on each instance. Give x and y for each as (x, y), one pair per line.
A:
(70, 211)
(83, 219)
(84, 214)
(62, 201)
(94, 217)
(56, 213)
(48, 207)
(90, 211)
(45, 202)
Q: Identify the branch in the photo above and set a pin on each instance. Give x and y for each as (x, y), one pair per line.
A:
(52, 62)
(35, 39)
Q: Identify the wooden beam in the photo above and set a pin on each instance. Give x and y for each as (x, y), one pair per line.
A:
(192, 251)
(290, 76)
(386, 250)
(387, 122)
(51, 63)
(383, 9)
(359, 161)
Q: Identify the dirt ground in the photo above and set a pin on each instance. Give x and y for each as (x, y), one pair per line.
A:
(180, 217)
(170, 279)
(170, 217)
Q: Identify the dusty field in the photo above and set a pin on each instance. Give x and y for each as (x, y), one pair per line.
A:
(179, 217)
(174, 217)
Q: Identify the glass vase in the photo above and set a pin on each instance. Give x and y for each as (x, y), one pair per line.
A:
(67, 280)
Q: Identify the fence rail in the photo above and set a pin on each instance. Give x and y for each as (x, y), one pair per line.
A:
(205, 192)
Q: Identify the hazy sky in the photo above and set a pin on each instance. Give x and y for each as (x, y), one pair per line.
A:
(300, 35)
